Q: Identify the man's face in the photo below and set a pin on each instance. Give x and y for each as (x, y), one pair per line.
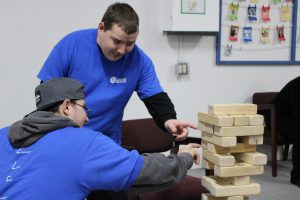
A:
(115, 43)
(78, 113)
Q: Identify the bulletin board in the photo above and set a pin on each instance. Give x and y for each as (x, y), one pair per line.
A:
(258, 32)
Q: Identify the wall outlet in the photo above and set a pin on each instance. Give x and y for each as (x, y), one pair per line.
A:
(181, 68)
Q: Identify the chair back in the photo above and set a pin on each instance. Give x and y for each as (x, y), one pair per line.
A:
(264, 97)
(145, 136)
(266, 107)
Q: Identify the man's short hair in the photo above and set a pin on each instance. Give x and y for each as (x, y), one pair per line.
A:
(123, 15)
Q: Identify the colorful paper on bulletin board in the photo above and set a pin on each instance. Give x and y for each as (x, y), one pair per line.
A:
(265, 13)
(265, 34)
(285, 13)
(247, 34)
(280, 33)
(234, 33)
(252, 13)
(228, 50)
(233, 13)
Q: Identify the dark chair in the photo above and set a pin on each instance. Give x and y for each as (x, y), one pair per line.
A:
(146, 137)
(266, 107)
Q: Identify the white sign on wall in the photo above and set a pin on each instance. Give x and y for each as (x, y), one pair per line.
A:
(193, 15)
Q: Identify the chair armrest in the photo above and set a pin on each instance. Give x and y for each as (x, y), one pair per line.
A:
(261, 107)
(189, 140)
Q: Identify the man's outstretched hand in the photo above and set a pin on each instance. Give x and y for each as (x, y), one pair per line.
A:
(179, 128)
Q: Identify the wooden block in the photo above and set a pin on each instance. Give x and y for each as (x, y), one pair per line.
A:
(207, 164)
(240, 120)
(253, 158)
(219, 187)
(239, 148)
(204, 144)
(215, 120)
(254, 140)
(208, 128)
(238, 180)
(224, 160)
(208, 196)
(221, 141)
(256, 120)
(239, 169)
(238, 130)
(232, 109)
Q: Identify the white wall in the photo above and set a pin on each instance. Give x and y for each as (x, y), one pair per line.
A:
(29, 30)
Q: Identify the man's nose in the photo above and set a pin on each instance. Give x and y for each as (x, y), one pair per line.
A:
(122, 49)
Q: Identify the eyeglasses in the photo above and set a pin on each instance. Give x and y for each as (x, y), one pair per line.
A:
(87, 110)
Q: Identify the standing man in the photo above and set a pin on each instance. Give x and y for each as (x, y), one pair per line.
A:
(49, 155)
(111, 66)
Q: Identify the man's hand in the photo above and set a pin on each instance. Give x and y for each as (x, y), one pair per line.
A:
(179, 128)
(192, 148)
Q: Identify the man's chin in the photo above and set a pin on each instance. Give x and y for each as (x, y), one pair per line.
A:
(114, 58)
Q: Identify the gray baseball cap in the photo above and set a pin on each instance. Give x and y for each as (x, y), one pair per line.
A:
(55, 90)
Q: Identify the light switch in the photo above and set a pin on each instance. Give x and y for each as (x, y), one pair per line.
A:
(181, 69)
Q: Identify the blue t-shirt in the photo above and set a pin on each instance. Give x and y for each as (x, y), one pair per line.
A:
(108, 84)
(65, 164)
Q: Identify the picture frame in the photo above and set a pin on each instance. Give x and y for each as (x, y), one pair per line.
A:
(193, 6)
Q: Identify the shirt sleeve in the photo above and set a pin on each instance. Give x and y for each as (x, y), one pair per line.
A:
(107, 166)
(148, 84)
(161, 108)
(161, 172)
(57, 63)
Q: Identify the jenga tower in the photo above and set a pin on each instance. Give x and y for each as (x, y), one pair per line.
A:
(230, 133)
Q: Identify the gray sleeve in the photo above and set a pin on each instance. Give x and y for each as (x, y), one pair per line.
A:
(160, 172)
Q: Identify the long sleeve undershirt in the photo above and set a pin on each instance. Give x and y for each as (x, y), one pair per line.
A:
(160, 108)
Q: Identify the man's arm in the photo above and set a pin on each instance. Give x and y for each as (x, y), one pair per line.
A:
(162, 110)
(160, 172)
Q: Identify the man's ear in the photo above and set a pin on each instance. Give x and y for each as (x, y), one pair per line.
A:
(101, 26)
(65, 107)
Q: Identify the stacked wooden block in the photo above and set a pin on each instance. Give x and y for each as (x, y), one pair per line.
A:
(230, 133)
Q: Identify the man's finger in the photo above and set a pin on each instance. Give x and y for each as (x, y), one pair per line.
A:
(194, 145)
(197, 160)
(191, 125)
